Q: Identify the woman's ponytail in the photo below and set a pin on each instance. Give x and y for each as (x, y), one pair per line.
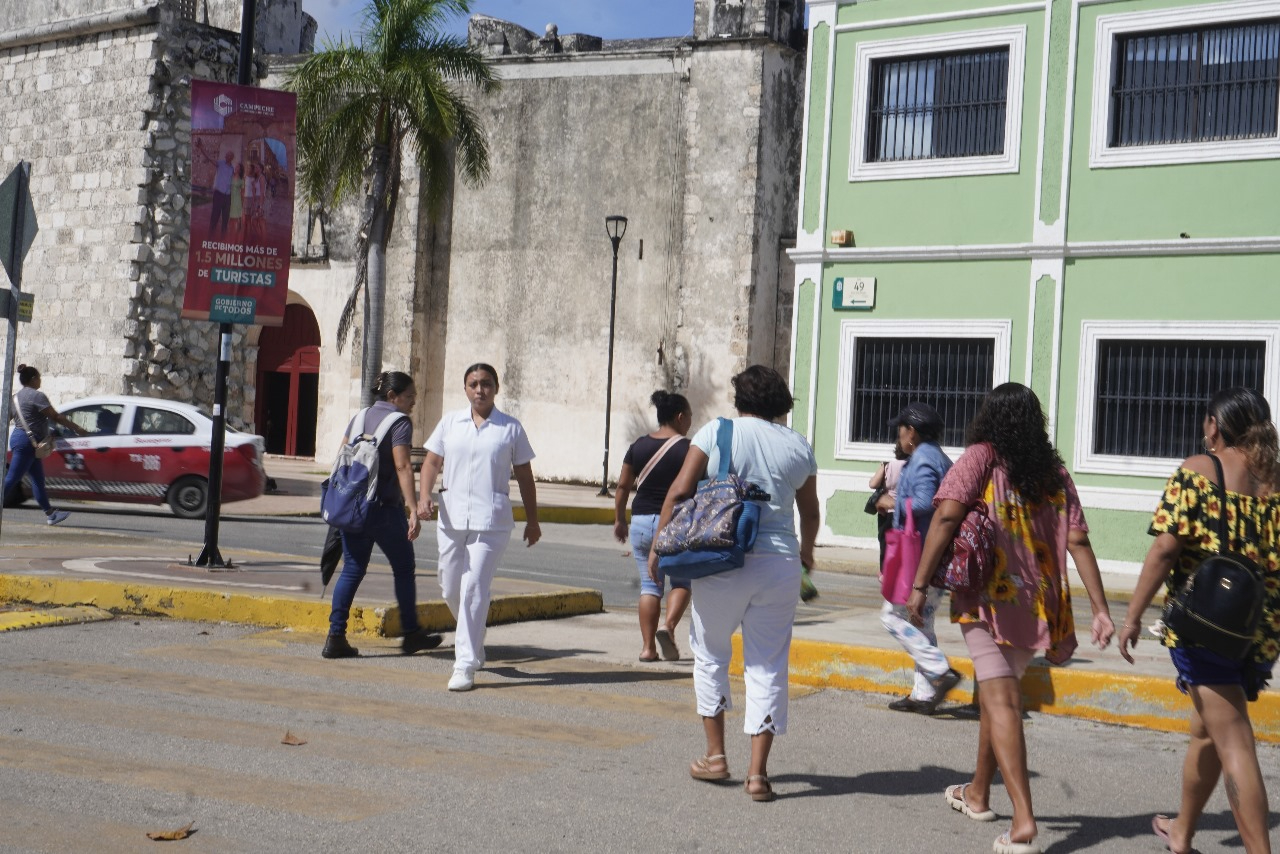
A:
(1261, 448)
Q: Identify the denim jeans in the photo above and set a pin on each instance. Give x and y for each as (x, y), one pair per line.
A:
(24, 462)
(388, 528)
(643, 528)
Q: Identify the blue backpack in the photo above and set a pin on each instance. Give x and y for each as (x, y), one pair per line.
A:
(353, 484)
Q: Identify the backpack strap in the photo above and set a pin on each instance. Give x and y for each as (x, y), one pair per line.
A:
(724, 443)
(385, 427)
(1221, 484)
(653, 461)
(356, 428)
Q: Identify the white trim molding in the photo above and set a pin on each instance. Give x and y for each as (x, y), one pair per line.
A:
(829, 483)
(1013, 38)
(1085, 460)
(997, 330)
(1047, 251)
(939, 17)
(1101, 154)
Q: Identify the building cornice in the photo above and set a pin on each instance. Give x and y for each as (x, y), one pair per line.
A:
(86, 25)
(1033, 251)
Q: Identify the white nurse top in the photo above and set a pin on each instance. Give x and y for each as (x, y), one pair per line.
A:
(475, 495)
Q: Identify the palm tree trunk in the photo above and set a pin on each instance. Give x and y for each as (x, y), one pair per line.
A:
(377, 286)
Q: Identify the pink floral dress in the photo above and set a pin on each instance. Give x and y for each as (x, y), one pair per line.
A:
(1027, 602)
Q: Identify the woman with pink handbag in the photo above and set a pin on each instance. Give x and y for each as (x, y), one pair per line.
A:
(919, 427)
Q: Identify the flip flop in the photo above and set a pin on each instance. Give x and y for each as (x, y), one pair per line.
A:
(1004, 845)
(1162, 832)
(668, 646)
(700, 768)
(955, 797)
(649, 660)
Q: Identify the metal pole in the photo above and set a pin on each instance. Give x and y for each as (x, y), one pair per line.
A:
(18, 228)
(608, 383)
(210, 556)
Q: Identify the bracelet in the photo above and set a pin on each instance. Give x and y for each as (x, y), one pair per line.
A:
(920, 589)
(1131, 625)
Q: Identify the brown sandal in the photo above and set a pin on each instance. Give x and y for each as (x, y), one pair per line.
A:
(701, 769)
(766, 795)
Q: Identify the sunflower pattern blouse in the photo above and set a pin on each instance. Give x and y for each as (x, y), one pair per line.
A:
(1190, 510)
(1027, 602)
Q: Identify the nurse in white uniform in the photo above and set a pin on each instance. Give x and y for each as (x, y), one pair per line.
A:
(484, 448)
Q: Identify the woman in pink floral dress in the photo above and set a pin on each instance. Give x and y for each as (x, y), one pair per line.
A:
(1026, 607)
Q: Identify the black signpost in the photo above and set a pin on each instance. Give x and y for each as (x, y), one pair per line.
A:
(210, 556)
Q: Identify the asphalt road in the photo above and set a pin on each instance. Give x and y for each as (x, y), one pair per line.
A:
(112, 730)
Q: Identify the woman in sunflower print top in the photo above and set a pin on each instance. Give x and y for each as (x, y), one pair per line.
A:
(1011, 465)
(1239, 431)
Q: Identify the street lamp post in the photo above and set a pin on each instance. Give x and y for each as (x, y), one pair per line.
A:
(615, 227)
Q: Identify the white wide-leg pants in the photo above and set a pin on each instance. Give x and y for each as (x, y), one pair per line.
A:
(760, 597)
(467, 563)
(921, 643)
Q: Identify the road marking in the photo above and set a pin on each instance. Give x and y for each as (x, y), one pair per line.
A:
(90, 566)
(36, 618)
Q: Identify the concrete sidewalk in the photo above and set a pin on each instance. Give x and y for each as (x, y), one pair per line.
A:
(841, 649)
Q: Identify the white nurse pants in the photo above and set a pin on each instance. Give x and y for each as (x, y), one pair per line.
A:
(760, 597)
(468, 560)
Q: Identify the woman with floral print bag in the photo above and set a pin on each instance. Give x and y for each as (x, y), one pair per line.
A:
(1237, 429)
(1025, 606)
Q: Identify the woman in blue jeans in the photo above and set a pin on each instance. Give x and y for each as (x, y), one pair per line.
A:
(392, 522)
(34, 412)
(650, 466)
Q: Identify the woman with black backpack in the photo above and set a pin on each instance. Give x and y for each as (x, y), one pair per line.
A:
(1240, 437)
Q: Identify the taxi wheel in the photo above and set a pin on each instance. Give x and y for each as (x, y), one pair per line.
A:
(188, 497)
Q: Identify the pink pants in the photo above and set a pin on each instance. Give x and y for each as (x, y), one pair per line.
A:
(993, 660)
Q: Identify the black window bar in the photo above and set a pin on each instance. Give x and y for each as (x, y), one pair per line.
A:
(928, 107)
(1151, 395)
(1196, 85)
(950, 374)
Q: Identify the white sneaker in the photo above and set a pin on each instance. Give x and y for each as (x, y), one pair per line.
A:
(462, 680)
(56, 517)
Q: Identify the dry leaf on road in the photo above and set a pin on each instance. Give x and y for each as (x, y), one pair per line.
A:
(290, 738)
(169, 835)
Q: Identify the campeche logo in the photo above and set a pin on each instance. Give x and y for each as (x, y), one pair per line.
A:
(223, 105)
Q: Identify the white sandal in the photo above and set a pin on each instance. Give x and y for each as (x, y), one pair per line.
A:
(955, 797)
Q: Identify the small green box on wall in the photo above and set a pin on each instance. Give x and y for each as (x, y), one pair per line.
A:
(854, 294)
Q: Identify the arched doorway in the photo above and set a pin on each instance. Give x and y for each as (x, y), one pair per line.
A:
(289, 383)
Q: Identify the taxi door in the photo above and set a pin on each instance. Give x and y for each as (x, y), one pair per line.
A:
(89, 466)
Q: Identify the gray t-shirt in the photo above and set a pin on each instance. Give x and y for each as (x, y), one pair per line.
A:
(400, 434)
(33, 403)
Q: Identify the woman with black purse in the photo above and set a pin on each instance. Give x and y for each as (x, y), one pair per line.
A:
(31, 416)
(1238, 431)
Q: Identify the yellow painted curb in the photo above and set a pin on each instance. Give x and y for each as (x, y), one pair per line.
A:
(515, 608)
(11, 621)
(183, 603)
(570, 515)
(1143, 701)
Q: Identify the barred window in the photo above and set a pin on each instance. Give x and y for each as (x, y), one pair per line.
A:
(938, 106)
(1195, 85)
(1150, 395)
(187, 9)
(950, 374)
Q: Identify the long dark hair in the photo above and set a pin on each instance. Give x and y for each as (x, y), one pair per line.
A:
(389, 383)
(669, 406)
(1244, 420)
(1012, 420)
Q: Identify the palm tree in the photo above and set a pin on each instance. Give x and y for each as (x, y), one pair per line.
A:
(358, 104)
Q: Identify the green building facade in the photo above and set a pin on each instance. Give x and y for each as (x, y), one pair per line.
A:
(1079, 195)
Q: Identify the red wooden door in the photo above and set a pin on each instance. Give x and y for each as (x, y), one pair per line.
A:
(288, 383)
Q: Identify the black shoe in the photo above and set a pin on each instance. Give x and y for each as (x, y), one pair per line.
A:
(941, 686)
(907, 704)
(336, 646)
(418, 641)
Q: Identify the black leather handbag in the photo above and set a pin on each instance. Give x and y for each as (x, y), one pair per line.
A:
(1220, 605)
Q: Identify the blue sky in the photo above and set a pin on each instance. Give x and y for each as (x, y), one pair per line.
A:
(610, 19)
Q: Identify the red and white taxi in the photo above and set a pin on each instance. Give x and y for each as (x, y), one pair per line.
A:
(148, 451)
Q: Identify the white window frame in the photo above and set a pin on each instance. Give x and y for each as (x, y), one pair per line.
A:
(1101, 155)
(1014, 38)
(999, 331)
(1094, 331)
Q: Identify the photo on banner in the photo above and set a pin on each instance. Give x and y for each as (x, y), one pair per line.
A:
(243, 166)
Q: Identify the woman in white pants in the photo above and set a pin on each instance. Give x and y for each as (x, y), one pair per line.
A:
(484, 448)
(761, 596)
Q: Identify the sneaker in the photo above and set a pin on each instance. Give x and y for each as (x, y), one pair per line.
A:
(418, 641)
(462, 680)
(336, 646)
(56, 517)
(942, 686)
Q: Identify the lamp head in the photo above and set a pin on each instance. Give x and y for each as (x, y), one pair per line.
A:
(615, 227)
